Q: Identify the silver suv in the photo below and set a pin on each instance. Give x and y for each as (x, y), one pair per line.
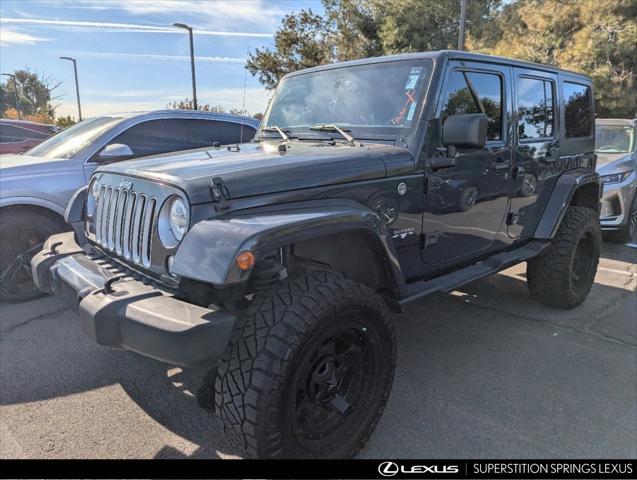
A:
(36, 187)
(615, 141)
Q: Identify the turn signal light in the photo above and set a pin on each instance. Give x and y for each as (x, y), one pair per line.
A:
(245, 260)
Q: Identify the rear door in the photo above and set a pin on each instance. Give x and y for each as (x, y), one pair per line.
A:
(537, 149)
(466, 204)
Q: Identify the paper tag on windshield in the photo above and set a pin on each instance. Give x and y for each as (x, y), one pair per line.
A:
(410, 114)
(414, 74)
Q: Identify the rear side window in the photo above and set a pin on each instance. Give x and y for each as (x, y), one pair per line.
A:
(473, 92)
(535, 108)
(578, 110)
(155, 136)
(203, 133)
(12, 133)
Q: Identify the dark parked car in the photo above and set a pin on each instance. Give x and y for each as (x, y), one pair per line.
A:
(616, 147)
(18, 136)
(36, 187)
(276, 262)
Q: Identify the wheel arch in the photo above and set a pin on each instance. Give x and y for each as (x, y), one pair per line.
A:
(579, 187)
(209, 249)
(41, 208)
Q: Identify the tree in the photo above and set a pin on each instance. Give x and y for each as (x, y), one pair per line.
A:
(354, 29)
(592, 37)
(35, 94)
(302, 41)
(65, 122)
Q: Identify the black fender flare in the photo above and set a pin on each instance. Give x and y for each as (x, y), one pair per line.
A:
(208, 251)
(561, 197)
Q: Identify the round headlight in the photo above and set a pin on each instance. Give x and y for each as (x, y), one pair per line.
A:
(91, 200)
(179, 218)
(95, 190)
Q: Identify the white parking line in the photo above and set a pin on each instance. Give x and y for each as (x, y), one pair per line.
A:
(612, 270)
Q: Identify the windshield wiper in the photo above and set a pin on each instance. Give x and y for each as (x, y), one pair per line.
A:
(335, 128)
(274, 128)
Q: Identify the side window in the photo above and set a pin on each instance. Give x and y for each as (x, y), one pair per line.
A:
(11, 133)
(154, 137)
(535, 108)
(203, 133)
(578, 111)
(473, 92)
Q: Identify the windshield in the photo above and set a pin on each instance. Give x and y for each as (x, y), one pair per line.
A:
(368, 100)
(614, 138)
(68, 142)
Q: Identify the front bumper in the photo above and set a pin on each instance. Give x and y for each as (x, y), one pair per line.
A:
(119, 308)
(616, 202)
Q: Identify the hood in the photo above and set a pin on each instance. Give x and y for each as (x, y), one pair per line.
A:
(258, 169)
(621, 164)
(24, 165)
(606, 158)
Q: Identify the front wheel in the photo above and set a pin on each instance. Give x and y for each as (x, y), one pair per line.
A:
(308, 371)
(563, 274)
(23, 234)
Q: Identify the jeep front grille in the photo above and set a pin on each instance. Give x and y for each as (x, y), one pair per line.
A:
(124, 223)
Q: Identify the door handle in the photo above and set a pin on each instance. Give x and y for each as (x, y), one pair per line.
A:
(501, 166)
(442, 162)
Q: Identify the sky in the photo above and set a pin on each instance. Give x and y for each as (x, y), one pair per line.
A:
(130, 58)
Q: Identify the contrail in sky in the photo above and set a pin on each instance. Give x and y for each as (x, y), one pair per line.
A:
(125, 27)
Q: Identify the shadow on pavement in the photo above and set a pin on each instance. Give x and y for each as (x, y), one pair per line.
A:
(483, 372)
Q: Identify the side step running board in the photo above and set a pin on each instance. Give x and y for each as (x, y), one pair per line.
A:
(453, 280)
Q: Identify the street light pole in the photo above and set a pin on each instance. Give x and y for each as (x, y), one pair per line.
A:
(192, 61)
(15, 93)
(77, 85)
(463, 21)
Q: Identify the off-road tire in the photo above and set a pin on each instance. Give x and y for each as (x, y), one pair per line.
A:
(22, 229)
(562, 275)
(256, 389)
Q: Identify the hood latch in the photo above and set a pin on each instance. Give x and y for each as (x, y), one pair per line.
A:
(220, 194)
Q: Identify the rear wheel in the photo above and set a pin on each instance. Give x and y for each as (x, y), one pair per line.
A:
(308, 371)
(563, 274)
(23, 234)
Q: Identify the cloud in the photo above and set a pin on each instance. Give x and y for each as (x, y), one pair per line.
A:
(256, 12)
(12, 37)
(96, 103)
(149, 56)
(123, 27)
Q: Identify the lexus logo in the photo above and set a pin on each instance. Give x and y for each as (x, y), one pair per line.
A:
(388, 469)
(125, 185)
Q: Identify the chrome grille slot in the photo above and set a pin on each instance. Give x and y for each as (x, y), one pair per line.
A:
(137, 221)
(128, 224)
(124, 222)
(120, 219)
(112, 211)
(147, 230)
(101, 200)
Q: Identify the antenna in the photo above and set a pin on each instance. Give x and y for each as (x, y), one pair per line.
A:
(243, 107)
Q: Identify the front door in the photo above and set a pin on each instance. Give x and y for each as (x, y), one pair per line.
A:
(466, 205)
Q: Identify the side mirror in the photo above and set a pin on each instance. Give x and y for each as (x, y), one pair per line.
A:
(115, 151)
(467, 130)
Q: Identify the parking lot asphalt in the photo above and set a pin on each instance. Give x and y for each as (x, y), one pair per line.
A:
(482, 372)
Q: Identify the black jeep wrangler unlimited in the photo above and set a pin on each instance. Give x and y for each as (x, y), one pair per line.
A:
(371, 184)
